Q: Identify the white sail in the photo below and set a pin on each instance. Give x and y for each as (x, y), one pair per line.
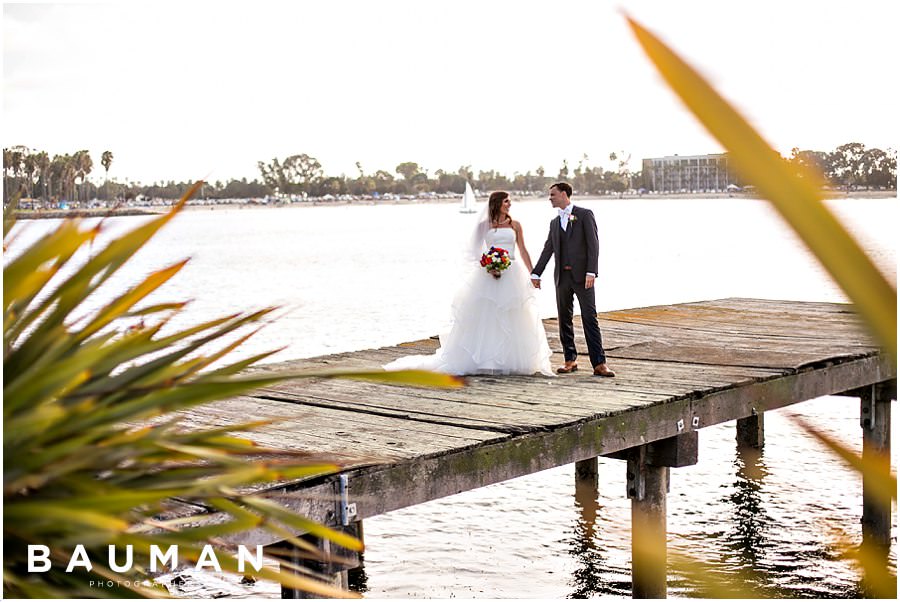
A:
(468, 201)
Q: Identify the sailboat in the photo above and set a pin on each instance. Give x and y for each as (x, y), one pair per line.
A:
(468, 200)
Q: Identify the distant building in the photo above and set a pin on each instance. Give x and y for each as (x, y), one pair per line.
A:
(693, 173)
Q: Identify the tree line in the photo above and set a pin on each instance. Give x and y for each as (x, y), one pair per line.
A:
(303, 175)
(34, 174)
(31, 173)
(851, 165)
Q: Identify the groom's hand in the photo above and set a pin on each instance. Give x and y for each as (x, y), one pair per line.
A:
(536, 283)
(588, 282)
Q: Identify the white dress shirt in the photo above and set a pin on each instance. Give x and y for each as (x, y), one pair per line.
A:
(564, 215)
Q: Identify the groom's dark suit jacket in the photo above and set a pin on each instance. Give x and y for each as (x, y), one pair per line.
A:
(582, 247)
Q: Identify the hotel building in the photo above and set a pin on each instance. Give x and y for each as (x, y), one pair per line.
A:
(689, 173)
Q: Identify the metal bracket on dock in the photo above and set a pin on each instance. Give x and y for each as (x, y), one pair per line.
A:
(346, 510)
(867, 408)
(635, 479)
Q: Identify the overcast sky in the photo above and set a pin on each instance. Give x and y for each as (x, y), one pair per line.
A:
(204, 90)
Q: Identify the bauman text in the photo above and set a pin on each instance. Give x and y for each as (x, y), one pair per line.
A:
(39, 559)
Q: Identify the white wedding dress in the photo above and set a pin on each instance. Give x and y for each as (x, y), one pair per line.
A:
(495, 327)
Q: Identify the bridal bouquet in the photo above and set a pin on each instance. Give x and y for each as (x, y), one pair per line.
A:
(495, 261)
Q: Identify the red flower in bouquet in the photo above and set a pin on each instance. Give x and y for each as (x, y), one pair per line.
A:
(495, 261)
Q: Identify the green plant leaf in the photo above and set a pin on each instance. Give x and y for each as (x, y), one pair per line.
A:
(118, 307)
(56, 246)
(78, 287)
(50, 513)
(9, 217)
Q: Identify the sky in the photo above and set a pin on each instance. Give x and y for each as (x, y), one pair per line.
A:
(196, 90)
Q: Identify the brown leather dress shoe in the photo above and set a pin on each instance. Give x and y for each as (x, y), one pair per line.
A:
(603, 370)
(569, 367)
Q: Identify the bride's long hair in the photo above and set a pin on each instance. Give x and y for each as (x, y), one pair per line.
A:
(494, 202)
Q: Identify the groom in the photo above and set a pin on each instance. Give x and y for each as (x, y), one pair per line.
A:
(573, 241)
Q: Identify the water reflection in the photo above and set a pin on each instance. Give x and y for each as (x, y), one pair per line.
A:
(757, 541)
(751, 522)
(746, 541)
(593, 574)
(357, 580)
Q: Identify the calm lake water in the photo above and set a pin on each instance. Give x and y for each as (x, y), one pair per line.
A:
(355, 277)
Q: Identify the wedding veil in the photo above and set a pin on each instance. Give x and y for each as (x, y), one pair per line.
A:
(474, 244)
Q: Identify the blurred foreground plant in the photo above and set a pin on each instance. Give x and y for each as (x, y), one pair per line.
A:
(76, 473)
(799, 200)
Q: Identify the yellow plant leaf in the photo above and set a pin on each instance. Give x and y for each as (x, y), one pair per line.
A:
(419, 378)
(798, 200)
(876, 468)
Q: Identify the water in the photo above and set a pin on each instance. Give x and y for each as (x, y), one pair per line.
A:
(354, 277)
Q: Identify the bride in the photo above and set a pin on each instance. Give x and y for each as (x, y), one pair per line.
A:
(495, 327)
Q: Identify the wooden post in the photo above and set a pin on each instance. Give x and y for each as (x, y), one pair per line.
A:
(648, 491)
(750, 431)
(586, 476)
(332, 562)
(648, 483)
(356, 576)
(317, 567)
(875, 420)
(586, 501)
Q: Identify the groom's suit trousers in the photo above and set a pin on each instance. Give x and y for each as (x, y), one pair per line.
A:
(566, 290)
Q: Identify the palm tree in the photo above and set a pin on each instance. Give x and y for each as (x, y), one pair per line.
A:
(57, 176)
(15, 163)
(42, 161)
(68, 176)
(29, 167)
(106, 160)
(83, 166)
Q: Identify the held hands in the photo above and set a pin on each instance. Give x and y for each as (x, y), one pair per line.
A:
(588, 282)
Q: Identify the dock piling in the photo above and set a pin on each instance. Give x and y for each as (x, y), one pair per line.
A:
(648, 485)
(587, 476)
(647, 475)
(875, 420)
(751, 431)
(356, 576)
(310, 565)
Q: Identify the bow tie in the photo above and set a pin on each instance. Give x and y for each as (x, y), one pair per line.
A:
(563, 212)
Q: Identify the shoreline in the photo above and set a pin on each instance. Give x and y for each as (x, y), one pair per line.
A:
(64, 213)
(157, 209)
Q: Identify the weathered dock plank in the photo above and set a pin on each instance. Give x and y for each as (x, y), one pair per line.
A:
(319, 429)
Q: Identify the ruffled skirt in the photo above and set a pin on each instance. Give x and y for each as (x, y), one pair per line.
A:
(494, 328)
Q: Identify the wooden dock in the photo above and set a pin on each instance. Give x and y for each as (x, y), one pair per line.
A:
(679, 368)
